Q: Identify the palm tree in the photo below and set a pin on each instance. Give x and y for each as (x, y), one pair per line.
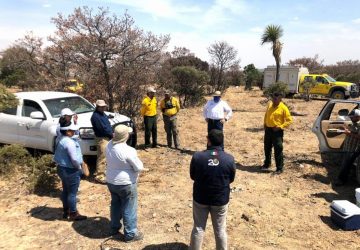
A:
(272, 35)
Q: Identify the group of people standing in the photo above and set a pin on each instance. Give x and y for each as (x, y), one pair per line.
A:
(118, 164)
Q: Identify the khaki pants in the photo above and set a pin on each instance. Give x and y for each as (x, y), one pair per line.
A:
(101, 143)
(170, 126)
(218, 218)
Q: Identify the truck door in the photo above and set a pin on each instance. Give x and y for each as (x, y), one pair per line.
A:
(322, 87)
(32, 132)
(331, 122)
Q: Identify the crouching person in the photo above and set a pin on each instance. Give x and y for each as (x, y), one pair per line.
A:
(69, 160)
(212, 171)
(123, 167)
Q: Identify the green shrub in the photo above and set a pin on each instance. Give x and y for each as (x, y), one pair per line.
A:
(278, 87)
(13, 157)
(43, 177)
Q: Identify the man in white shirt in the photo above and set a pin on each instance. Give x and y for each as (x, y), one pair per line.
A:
(122, 172)
(217, 112)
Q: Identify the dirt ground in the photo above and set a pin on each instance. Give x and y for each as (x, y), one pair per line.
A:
(288, 211)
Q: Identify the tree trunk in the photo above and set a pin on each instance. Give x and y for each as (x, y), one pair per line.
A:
(108, 85)
(277, 60)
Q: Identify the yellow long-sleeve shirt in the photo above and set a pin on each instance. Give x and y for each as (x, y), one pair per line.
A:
(174, 105)
(278, 116)
(148, 106)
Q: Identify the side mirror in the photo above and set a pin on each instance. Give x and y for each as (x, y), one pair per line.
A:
(37, 115)
(343, 112)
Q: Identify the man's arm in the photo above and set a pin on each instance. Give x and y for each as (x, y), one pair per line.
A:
(205, 111)
(192, 168)
(228, 111)
(135, 162)
(71, 150)
(287, 118)
(177, 104)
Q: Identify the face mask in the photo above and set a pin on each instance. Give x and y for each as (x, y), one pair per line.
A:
(75, 137)
(216, 98)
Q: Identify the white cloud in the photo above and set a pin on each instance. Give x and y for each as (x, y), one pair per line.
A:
(257, 29)
(46, 5)
(357, 20)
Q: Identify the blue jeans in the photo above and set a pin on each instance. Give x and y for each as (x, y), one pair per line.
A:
(70, 179)
(124, 206)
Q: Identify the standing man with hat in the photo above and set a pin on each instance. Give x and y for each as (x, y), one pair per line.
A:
(148, 111)
(350, 147)
(214, 112)
(170, 106)
(104, 133)
(277, 117)
(123, 167)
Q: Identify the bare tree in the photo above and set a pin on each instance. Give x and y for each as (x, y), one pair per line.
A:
(223, 56)
(314, 64)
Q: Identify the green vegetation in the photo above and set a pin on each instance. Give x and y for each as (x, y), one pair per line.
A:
(7, 99)
(278, 87)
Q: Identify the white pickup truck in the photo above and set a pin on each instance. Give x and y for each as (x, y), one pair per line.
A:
(33, 122)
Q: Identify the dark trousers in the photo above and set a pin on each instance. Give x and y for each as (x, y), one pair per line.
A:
(348, 161)
(150, 123)
(170, 125)
(274, 139)
(215, 124)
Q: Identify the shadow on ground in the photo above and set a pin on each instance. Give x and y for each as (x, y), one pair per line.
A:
(167, 246)
(46, 213)
(327, 220)
(93, 227)
(251, 168)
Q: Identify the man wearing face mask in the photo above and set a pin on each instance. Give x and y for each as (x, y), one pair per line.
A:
(214, 113)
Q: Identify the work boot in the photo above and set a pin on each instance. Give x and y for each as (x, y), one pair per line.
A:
(75, 216)
(65, 213)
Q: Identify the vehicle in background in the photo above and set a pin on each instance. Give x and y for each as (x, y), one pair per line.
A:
(74, 86)
(329, 127)
(33, 122)
(296, 76)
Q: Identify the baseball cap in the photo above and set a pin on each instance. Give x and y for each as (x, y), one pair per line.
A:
(67, 111)
(100, 103)
(121, 133)
(151, 90)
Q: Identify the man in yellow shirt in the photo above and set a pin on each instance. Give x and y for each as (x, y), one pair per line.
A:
(170, 107)
(148, 110)
(277, 117)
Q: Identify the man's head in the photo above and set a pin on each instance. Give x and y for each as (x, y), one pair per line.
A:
(217, 96)
(215, 137)
(276, 98)
(151, 92)
(121, 133)
(100, 105)
(355, 115)
(167, 94)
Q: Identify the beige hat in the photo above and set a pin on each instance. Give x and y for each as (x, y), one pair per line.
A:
(167, 92)
(217, 93)
(121, 133)
(151, 90)
(100, 103)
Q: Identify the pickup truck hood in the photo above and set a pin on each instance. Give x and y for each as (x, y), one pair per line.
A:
(84, 119)
(342, 84)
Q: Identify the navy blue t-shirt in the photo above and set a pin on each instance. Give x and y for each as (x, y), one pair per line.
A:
(101, 125)
(212, 171)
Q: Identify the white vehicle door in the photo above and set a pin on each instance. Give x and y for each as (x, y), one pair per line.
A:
(8, 126)
(33, 133)
(330, 123)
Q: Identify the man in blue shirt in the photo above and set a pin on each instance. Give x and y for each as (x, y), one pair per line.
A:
(212, 171)
(104, 133)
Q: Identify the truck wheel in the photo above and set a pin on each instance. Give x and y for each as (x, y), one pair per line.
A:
(338, 94)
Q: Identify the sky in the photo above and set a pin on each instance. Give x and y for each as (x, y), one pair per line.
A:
(329, 28)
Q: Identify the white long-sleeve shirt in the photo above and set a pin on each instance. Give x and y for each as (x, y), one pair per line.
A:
(123, 164)
(216, 110)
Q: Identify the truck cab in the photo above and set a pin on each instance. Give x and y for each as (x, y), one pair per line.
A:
(328, 86)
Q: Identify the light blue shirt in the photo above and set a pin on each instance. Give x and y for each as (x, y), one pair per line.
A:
(68, 153)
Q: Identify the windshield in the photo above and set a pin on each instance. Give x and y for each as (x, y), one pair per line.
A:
(330, 79)
(75, 103)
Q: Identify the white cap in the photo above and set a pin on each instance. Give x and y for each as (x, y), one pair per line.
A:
(100, 103)
(72, 126)
(151, 90)
(67, 111)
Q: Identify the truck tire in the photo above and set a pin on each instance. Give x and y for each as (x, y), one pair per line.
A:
(338, 94)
